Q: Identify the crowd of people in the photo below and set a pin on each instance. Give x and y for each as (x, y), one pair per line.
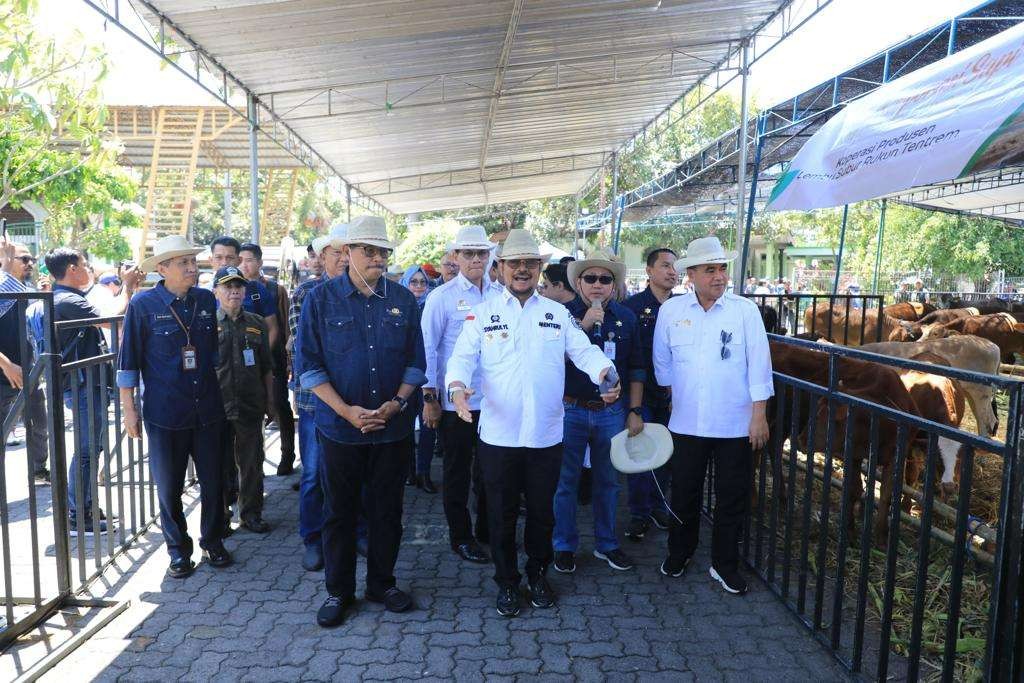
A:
(519, 374)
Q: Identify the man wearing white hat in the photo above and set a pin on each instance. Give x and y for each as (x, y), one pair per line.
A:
(443, 316)
(169, 345)
(711, 349)
(518, 340)
(359, 349)
(329, 252)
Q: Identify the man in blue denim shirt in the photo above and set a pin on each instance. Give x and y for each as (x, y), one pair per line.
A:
(589, 421)
(360, 350)
(170, 343)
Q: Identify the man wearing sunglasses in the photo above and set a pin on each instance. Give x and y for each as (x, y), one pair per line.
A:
(360, 351)
(444, 314)
(711, 351)
(589, 421)
(518, 340)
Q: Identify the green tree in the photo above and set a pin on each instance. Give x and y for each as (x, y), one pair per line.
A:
(426, 242)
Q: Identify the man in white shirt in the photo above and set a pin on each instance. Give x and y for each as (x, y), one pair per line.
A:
(444, 313)
(519, 340)
(711, 349)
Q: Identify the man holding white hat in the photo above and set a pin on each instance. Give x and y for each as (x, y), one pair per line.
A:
(591, 422)
(169, 344)
(444, 313)
(711, 349)
(328, 250)
(359, 349)
(518, 340)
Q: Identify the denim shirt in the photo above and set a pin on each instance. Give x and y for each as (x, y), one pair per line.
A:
(151, 349)
(646, 306)
(366, 347)
(619, 327)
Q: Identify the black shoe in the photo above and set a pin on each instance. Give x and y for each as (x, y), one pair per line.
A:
(296, 485)
(674, 566)
(257, 526)
(508, 601)
(732, 582)
(284, 470)
(542, 596)
(637, 529)
(424, 483)
(180, 568)
(660, 519)
(332, 612)
(90, 527)
(362, 547)
(42, 477)
(394, 599)
(616, 559)
(217, 556)
(471, 552)
(313, 558)
(410, 479)
(565, 561)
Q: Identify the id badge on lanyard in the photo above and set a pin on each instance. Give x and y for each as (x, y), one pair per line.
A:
(248, 357)
(189, 359)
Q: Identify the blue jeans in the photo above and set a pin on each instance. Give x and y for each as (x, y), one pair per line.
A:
(311, 495)
(595, 428)
(86, 447)
(642, 493)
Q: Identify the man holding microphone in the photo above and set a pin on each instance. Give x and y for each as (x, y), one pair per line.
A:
(518, 341)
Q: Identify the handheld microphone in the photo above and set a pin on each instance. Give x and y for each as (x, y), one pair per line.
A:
(596, 305)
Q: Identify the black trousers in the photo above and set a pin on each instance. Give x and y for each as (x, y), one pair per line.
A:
(285, 418)
(346, 471)
(508, 473)
(462, 466)
(733, 463)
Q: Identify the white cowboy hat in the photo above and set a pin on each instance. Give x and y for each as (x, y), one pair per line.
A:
(168, 248)
(647, 451)
(703, 251)
(471, 237)
(337, 235)
(320, 243)
(369, 230)
(519, 245)
(598, 259)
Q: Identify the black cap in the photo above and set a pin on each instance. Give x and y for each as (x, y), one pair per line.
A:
(227, 274)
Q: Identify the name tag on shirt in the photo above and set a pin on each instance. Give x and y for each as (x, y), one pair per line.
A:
(249, 357)
(463, 305)
(609, 349)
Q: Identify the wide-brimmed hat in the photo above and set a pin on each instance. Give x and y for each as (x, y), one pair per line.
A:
(471, 237)
(167, 248)
(598, 259)
(338, 234)
(702, 251)
(369, 230)
(647, 451)
(519, 245)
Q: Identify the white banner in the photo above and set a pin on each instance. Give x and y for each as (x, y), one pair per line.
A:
(952, 118)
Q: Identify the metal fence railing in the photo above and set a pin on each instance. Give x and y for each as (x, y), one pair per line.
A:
(48, 556)
(897, 583)
(844, 318)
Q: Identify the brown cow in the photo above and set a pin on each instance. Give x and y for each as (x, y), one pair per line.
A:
(909, 310)
(1000, 328)
(872, 382)
(847, 329)
(916, 330)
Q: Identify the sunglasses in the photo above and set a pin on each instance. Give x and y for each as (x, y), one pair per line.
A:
(373, 252)
(450, 266)
(726, 338)
(26, 259)
(474, 253)
(528, 264)
(603, 279)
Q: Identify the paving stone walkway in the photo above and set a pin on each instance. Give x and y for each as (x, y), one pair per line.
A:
(255, 621)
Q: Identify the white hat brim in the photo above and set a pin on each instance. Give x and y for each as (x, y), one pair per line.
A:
(490, 246)
(685, 262)
(653, 434)
(576, 268)
(149, 265)
(371, 241)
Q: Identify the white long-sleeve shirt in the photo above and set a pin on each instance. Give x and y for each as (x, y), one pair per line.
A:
(520, 351)
(712, 396)
(444, 313)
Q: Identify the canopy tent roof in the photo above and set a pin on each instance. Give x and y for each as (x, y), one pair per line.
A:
(710, 175)
(432, 104)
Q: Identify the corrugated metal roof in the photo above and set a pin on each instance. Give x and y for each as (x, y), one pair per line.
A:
(405, 97)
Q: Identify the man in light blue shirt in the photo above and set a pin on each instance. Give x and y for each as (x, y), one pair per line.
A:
(443, 316)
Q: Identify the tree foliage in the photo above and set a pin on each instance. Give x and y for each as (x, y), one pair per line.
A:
(426, 242)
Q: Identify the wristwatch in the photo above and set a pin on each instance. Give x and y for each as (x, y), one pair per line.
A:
(402, 403)
(637, 411)
(428, 397)
(452, 391)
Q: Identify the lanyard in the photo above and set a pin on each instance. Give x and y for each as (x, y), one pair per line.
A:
(186, 330)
